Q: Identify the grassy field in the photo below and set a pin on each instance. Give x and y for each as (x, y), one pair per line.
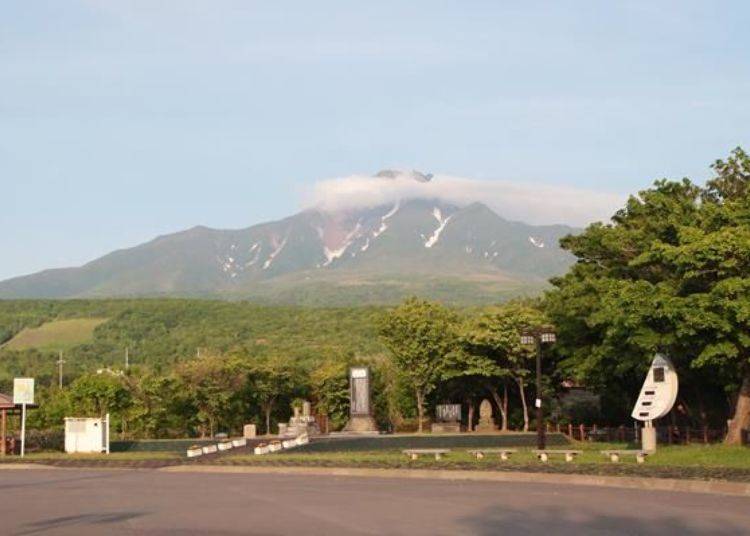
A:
(675, 456)
(118, 456)
(700, 462)
(56, 335)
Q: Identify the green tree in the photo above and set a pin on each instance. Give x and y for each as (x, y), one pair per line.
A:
(330, 389)
(213, 383)
(420, 335)
(98, 394)
(54, 406)
(270, 380)
(154, 397)
(491, 351)
(671, 272)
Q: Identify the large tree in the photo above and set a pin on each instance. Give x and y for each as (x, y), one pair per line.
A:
(212, 383)
(491, 351)
(420, 335)
(98, 394)
(271, 379)
(671, 273)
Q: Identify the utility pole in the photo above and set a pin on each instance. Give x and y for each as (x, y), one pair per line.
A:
(59, 363)
(127, 358)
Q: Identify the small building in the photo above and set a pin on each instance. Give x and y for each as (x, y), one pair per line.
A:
(86, 434)
(8, 408)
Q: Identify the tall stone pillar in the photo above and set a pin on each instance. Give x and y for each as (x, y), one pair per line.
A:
(360, 410)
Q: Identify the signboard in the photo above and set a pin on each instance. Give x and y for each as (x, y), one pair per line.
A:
(448, 413)
(659, 391)
(23, 391)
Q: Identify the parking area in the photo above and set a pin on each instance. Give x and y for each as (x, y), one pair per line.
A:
(78, 501)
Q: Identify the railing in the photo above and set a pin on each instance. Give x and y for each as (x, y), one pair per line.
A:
(670, 435)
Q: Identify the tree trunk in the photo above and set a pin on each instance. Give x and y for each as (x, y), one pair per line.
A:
(420, 410)
(267, 410)
(741, 420)
(523, 404)
(470, 418)
(502, 405)
(504, 427)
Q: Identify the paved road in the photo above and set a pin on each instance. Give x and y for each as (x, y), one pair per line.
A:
(42, 501)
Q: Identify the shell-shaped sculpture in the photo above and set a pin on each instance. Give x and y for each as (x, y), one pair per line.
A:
(659, 391)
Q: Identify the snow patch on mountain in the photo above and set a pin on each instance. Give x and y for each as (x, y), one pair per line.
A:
(441, 225)
(536, 242)
(333, 254)
(274, 253)
(383, 221)
(256, 249)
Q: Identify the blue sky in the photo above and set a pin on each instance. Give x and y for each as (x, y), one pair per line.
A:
(122, 120)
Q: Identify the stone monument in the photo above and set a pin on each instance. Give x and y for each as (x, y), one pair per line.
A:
(447, 419)
(249, 431)
(360, 412)
(302, 422)
(486, 423)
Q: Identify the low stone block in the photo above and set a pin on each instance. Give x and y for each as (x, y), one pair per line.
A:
(192, 453)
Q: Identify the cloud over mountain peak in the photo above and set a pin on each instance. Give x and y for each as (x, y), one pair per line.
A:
(530, 202)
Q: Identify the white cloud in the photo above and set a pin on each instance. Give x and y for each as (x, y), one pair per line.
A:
(531, 203)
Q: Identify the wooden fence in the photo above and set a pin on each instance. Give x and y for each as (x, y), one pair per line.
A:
(670, 435)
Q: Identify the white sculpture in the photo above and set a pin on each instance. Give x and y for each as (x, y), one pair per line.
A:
(658, 395)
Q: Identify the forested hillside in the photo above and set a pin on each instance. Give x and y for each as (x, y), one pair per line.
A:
(159, 333)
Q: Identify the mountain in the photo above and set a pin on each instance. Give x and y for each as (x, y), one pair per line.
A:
(366, 255)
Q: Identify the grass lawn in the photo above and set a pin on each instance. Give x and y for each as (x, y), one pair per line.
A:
(114, 456)
(671, 456)
(56, 335)
(712, 462)
(694, 461)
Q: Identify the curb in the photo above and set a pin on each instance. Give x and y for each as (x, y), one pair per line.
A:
(651, 484)
(22, 466)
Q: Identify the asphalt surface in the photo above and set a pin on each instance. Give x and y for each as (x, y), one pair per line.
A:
(72, 501)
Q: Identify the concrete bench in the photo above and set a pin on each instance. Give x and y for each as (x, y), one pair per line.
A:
(544, 455)
(504, 453)
(614, 455)
(415, 453)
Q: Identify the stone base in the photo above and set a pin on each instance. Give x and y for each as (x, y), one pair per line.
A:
(361, 424)
(486, 427)
(648, 439)
(297, 430)
(445, 427)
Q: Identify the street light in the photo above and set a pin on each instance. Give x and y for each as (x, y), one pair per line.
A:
(537, 336)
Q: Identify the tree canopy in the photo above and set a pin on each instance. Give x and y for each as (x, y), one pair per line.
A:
(671, 273)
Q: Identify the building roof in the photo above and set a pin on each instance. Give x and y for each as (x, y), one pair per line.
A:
(6, 403)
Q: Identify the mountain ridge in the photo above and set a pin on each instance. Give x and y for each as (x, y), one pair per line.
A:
(412, 244)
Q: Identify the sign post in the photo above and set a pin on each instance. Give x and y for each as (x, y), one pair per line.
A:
(23, 394)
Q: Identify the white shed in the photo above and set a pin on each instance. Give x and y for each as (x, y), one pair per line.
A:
(83, 434)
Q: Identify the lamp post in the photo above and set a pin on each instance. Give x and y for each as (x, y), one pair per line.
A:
(537, 337)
